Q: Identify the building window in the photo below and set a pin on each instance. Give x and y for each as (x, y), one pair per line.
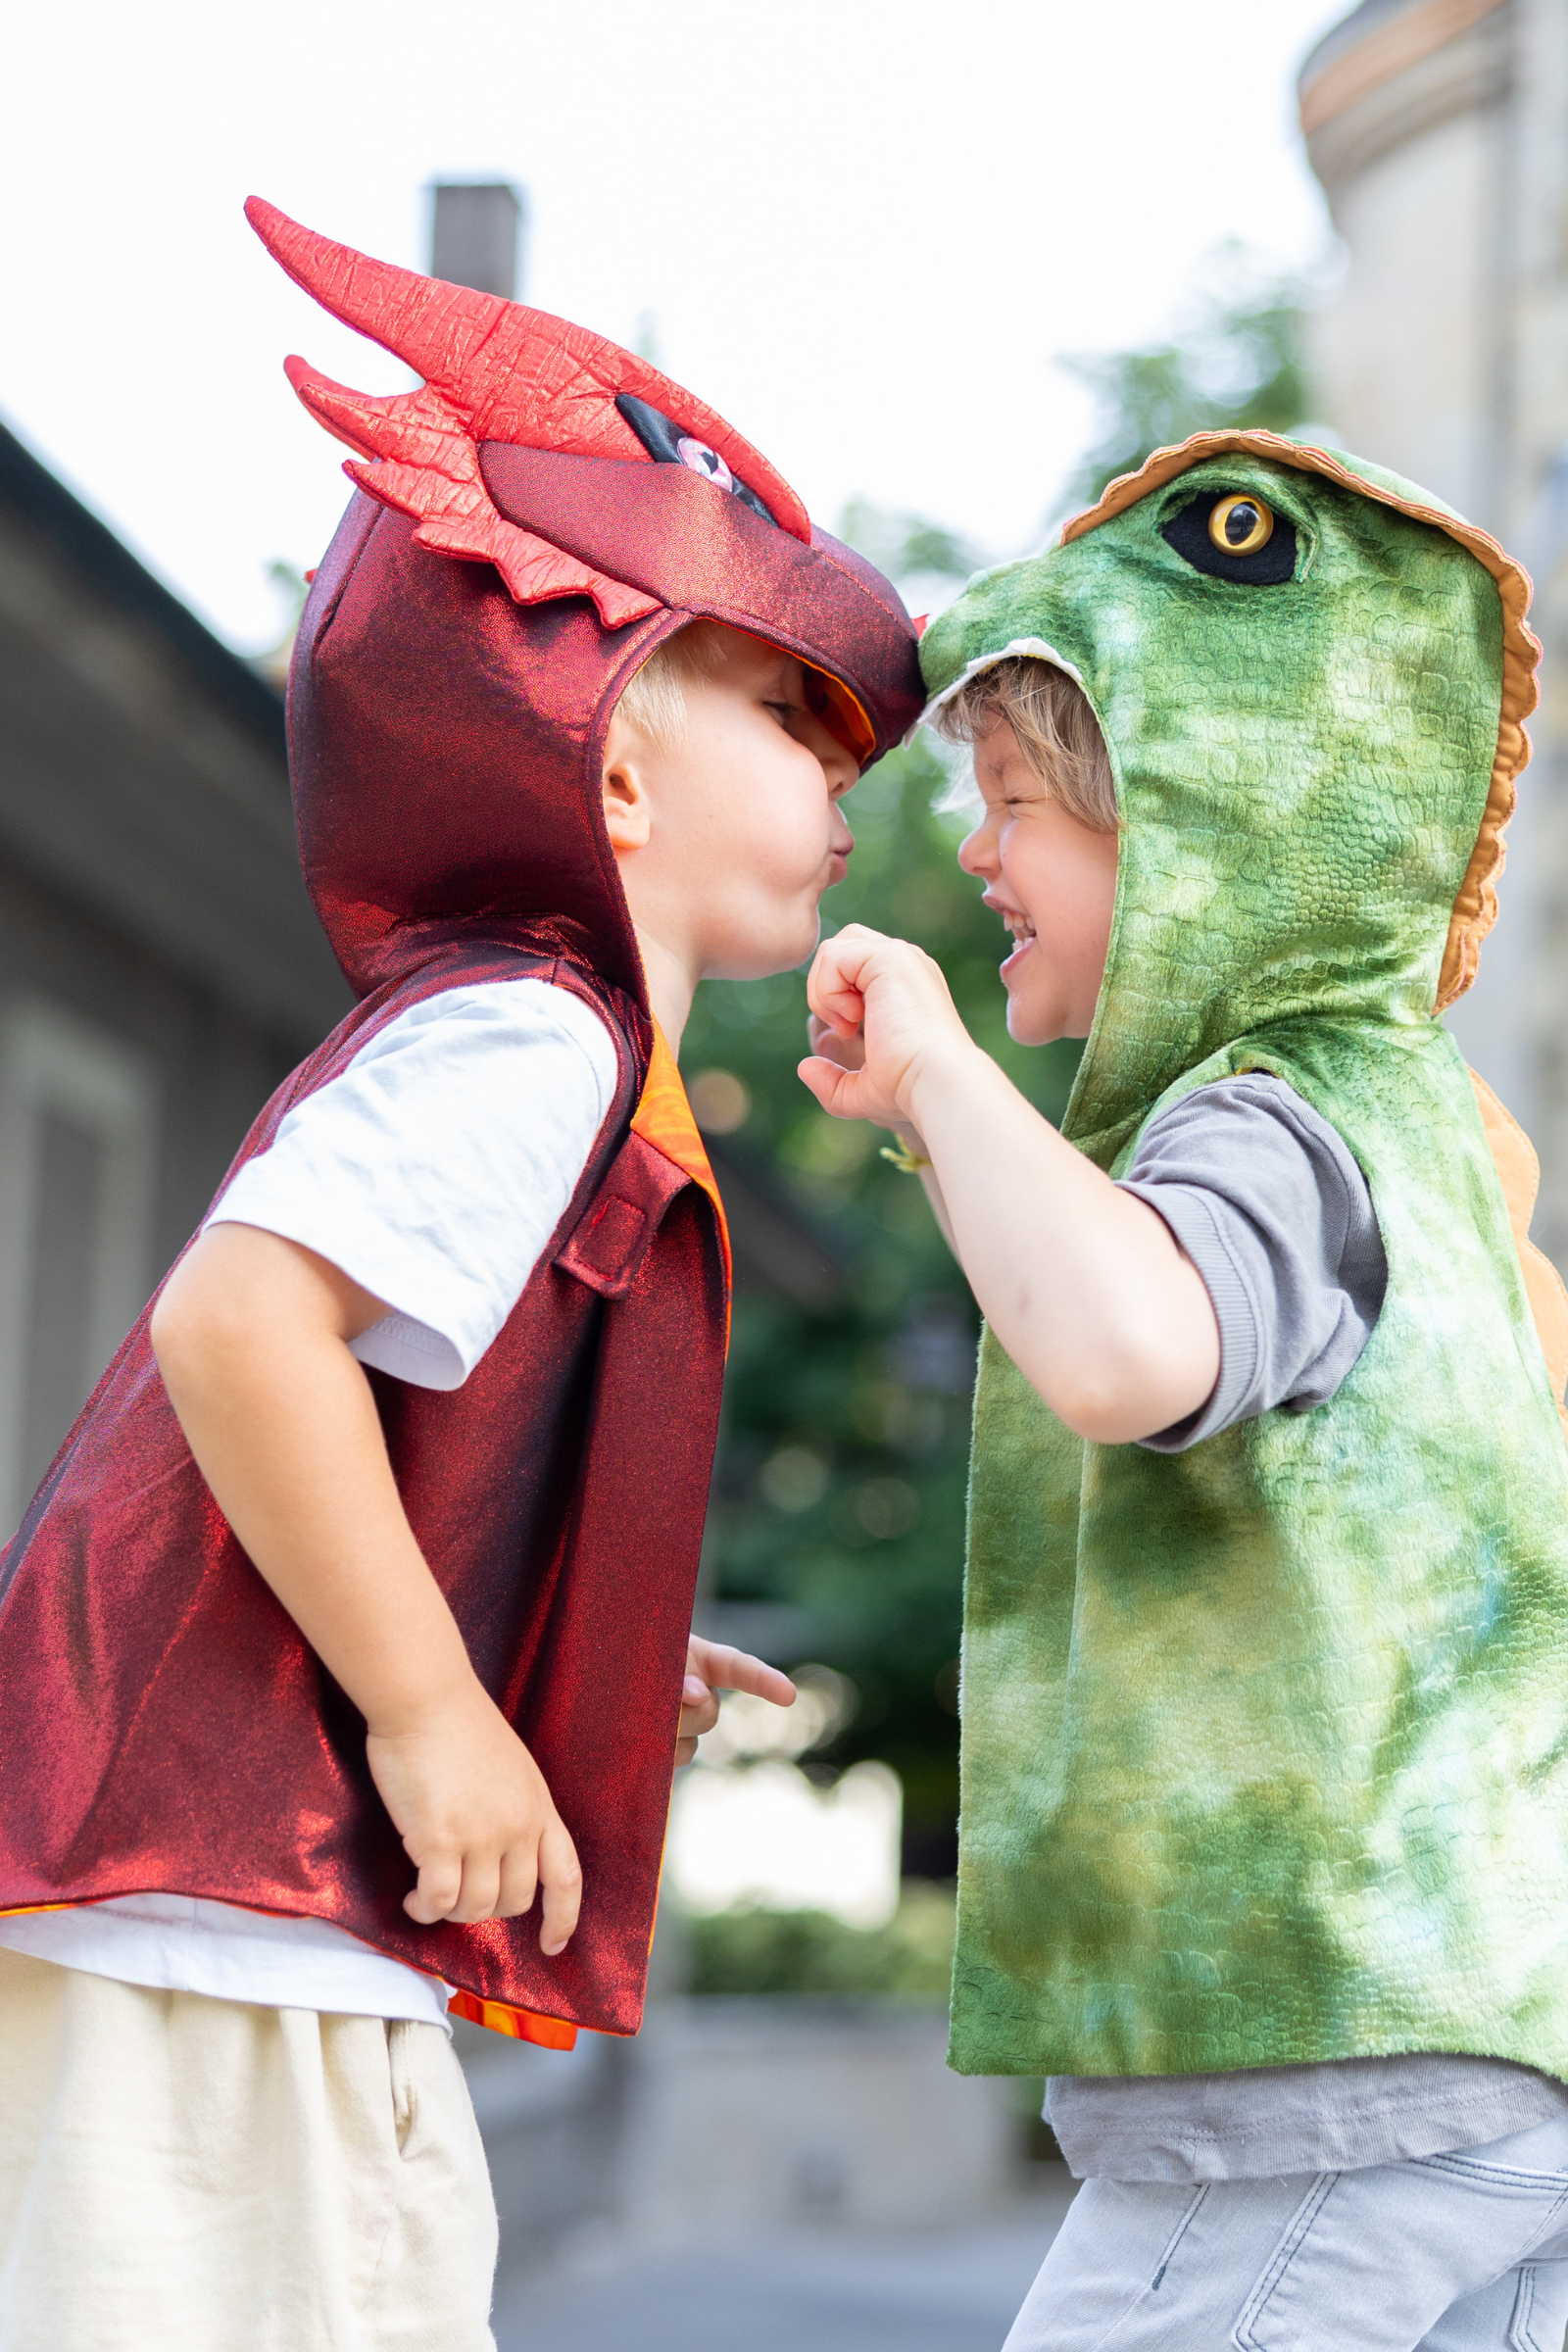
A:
(77, 1160)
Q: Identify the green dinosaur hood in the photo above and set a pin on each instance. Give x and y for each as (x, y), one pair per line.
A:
(1265, 1741)
(1312, 774)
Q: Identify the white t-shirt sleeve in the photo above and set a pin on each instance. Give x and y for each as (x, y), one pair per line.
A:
(434, 1169)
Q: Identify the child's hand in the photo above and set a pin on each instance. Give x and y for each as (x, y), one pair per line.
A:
(477, 1820)
(712, 1667)
(889, 1000)
(848, 1053)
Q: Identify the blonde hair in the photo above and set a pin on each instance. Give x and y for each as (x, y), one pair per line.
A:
(1056, 729)
(654, 698)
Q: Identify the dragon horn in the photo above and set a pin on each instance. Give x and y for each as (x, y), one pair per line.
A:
(433, 327)
(512, 373)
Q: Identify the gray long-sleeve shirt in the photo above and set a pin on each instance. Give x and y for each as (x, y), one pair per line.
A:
(1273, 1212)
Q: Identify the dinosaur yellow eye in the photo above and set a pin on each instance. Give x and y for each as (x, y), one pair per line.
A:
(1240, 525)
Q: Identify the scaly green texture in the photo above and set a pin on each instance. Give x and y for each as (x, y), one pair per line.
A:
(1266, 1744)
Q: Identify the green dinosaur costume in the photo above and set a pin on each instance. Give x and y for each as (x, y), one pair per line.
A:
(1266, 1744)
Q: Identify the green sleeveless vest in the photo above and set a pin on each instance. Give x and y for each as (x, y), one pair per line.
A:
(1266, 1744)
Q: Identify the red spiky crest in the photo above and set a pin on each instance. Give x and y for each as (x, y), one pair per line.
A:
(493, 370)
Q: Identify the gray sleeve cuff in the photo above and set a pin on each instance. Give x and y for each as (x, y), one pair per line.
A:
(1188, 1211)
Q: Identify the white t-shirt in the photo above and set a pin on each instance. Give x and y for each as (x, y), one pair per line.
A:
(433, 1170)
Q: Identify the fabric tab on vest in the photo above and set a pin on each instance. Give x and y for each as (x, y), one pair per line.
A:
(611, 1243)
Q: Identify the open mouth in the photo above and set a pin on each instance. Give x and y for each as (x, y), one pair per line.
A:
(1023, 939)
(1021, 925)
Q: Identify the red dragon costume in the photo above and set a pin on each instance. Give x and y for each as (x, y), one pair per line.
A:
(162, 1724)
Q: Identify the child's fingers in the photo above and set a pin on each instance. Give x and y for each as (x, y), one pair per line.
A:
(439, 1887)
(845, 1052)
(838, 1004)
(855, 961)
(519, 1881)
(482, 1888)
(833, 1088)
(843, 1014)
(697, 1715)
(738, 1670)
(822, 1038)
(831, 990)
(685, 1753)
(714, 1663)
(835, 985)
(560, 1876)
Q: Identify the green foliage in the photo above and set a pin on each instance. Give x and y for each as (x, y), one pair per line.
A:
(291, 585)
(751, 1951)
(904, 546)
(841, 1481)
(1236, 360)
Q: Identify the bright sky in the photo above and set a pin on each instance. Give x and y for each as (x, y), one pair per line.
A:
(863, 230)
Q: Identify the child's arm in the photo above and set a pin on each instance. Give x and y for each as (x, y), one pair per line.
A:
(252, 1339)
(848, 1053)
(1084, 1286)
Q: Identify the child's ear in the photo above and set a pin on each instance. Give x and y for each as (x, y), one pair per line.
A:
(628, 811)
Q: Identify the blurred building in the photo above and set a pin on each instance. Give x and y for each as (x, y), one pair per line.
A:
(161, 967)
(476, 235)
(1439, 129)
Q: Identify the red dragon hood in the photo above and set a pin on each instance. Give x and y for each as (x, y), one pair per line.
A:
(446, 718)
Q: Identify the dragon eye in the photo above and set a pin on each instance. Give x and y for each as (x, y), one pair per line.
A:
(667, 444)
(1234, 536)
(704, 461)
(1239, 525)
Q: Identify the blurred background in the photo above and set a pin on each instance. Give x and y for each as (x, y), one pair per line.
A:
(952, 272)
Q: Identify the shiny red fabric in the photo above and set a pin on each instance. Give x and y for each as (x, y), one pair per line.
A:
(162, 1725)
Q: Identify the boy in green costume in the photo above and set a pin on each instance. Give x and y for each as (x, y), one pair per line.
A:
(1264, 1847)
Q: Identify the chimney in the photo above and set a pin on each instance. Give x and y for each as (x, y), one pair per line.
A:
(475, 232)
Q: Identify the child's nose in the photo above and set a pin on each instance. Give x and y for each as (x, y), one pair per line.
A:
(977, 851)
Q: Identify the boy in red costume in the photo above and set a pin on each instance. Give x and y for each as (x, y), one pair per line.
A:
(354, 1607)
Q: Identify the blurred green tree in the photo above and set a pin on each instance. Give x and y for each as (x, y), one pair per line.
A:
(1235, 358)
(906, 546)
(752, 1951)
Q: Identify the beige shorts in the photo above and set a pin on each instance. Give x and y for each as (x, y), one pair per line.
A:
(185, 2175)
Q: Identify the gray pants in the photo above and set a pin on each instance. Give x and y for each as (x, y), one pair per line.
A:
(1461, 2253)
